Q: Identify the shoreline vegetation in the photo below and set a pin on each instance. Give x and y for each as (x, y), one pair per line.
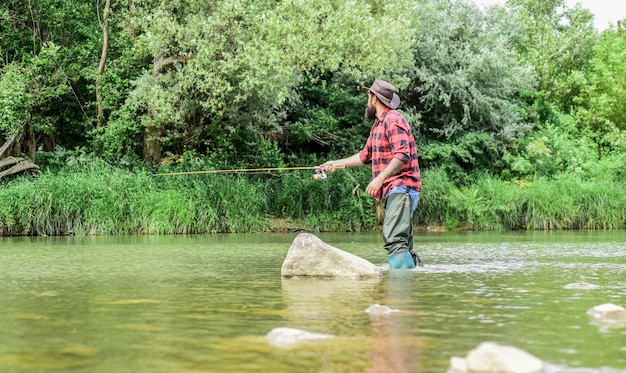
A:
(518, 111)
(93, 198)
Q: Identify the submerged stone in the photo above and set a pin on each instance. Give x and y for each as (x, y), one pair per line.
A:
(286, 337)
(310, 257)
(135, 301)
(379, 310)
(79, 350)
(580, 286)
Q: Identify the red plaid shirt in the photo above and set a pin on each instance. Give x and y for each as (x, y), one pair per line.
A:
(391, 137)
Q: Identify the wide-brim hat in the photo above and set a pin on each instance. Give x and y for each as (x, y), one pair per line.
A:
(385, 92)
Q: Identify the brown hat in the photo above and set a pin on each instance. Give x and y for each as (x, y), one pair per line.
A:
(385, 93)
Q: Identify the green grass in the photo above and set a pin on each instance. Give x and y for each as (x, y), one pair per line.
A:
(563, 202)
(97, 199)
(109, 201)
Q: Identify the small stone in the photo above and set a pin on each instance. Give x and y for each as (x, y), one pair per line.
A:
(379, 310)
(457, 365)
(286, 337)
(580, 286)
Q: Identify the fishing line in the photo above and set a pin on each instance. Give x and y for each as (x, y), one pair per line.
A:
(319, 173)
(265, 169)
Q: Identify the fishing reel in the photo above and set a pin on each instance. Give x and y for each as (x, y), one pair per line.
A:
(319, 174)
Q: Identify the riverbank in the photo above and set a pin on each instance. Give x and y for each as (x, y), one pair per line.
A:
(281, 225)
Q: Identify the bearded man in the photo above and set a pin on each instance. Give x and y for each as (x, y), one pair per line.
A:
(390, 150)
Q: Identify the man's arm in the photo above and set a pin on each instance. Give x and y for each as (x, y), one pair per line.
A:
(352, 161)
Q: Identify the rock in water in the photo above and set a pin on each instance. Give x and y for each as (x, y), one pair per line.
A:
(310, 257)
(286, 337)
(489, 357)
(379, 310)
(608, 312)
(580, 286)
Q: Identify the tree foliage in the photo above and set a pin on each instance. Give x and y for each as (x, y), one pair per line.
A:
(29, 93)
(47, 49)
(605, 92)
(262, 83)
(558, 42)
(220, 75)
(466, 85)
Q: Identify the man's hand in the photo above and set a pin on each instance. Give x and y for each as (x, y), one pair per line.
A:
(376, 184)
(374, 187)
(331, 166)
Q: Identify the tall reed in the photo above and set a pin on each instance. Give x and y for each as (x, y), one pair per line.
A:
(559, 203)
(107, 200)
(338, 203)
(96, 199)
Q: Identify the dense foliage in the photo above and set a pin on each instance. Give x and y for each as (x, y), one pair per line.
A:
(519, 112)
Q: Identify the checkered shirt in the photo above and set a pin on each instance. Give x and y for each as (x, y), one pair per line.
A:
(391, 137)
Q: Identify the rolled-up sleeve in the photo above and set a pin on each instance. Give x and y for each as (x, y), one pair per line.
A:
(399, 142)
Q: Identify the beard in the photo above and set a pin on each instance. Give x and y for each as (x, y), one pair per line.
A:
(370, 112)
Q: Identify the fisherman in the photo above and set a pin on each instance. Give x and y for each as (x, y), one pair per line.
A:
(391, 150)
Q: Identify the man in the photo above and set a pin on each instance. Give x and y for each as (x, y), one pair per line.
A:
(391, 150)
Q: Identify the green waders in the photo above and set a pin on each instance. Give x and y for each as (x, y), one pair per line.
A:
(398, 232)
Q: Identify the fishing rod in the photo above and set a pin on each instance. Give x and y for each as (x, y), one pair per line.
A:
(319, 173)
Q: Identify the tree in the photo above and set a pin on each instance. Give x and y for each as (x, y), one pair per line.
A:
(558, 42)
(606, 91)
(103, 60)
(466, 87)
(28, 91)
(237, 64)
(47, 49)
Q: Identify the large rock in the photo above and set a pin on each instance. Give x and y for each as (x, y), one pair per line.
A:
(310, 257)
(491, 357)
(608, 312)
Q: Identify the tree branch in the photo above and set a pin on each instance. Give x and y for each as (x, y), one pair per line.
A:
(103, 59)
(9, 142)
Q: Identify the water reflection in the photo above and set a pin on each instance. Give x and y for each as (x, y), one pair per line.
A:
(327, 306)
(395, 336)
(338, 307)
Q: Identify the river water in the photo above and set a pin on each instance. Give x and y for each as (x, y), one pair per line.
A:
(206, 303)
